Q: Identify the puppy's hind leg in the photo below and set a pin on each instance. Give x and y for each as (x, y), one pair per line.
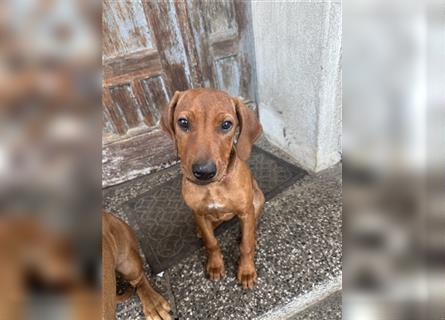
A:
(258, 201)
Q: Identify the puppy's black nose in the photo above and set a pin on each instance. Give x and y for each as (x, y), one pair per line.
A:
(204, 170)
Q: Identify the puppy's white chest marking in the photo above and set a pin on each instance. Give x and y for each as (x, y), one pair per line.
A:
(215, 205)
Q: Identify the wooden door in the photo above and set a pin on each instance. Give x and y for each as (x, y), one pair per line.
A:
(150, 50)
(222, 32)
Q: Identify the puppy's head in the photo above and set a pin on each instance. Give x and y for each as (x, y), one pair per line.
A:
(204, 124)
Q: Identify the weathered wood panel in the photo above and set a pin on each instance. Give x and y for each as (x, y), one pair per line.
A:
(125, 28)
(219, 17)
(107, 124)
(224, 44)
(115, 115)
(130, 158)
(123, 68)
(123, 97)
(189, 43)
(158, 92)
(228, 74)
(130, 58)
(144, 102)
(172, 50)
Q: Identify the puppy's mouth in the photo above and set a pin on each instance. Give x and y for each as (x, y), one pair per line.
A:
(201, 182)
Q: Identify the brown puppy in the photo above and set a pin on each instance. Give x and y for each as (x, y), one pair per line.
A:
(120, 252)
(217, 183)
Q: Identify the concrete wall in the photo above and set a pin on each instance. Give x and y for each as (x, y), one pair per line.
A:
(298, 49)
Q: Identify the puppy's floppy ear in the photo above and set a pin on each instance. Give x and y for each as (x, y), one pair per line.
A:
(167, 115)
(250, 129)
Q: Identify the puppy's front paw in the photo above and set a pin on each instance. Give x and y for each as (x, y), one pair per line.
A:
(215, 267)
(247, 275)
(156, 307)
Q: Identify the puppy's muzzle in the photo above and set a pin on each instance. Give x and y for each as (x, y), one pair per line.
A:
(204, 170)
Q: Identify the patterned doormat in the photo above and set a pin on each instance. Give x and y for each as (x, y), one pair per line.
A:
(165, 226)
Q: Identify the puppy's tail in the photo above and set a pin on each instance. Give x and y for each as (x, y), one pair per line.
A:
(129, 292)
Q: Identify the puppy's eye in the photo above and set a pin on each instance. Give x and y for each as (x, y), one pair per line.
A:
(226, 125)
(183, 124)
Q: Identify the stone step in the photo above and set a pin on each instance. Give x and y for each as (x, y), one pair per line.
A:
(329, 309)
(321, 302)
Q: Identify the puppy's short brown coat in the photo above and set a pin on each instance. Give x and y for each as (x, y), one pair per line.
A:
(120, 252)
(214, 133)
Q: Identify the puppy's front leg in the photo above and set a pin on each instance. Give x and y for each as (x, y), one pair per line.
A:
(246, 271)
(154, 305)
(215, 263)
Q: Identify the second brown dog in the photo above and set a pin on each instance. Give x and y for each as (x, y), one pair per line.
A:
(120, 252)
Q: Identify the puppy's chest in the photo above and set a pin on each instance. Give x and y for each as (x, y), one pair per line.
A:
(213, 201)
